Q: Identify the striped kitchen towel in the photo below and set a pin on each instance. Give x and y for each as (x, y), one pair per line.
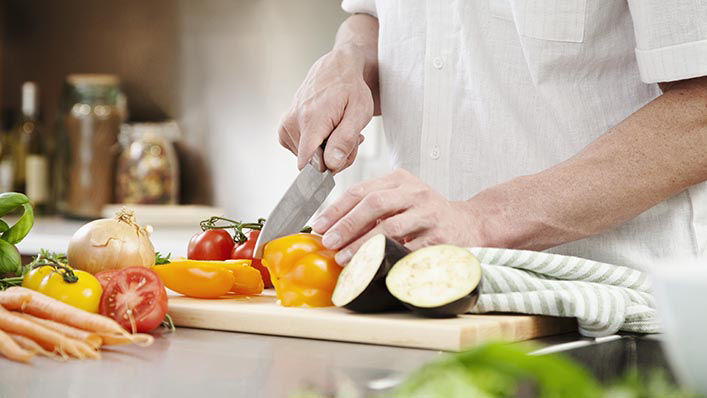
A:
(604, 298)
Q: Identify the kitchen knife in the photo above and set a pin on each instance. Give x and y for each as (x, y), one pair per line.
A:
(300, 202)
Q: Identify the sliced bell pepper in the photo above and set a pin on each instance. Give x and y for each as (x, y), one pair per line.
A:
(302, 270)
(210, 279)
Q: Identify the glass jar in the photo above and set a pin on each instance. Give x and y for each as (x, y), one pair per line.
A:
(148, 170)
(88, 137)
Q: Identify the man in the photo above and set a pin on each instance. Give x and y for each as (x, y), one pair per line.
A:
(529, 124)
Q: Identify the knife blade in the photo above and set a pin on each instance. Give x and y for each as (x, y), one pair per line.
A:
(301, 200)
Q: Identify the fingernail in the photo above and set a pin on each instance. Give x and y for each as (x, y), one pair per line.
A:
(338, 156)
(331, 240)
(320, 223)
(343, 257)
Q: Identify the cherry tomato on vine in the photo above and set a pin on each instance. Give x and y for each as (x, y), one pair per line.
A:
(212, 244)
(245, 250)
(135, 298)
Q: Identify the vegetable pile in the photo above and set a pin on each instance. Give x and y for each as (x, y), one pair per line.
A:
(214, 243)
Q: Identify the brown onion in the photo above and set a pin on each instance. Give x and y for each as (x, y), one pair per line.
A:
(111, 243)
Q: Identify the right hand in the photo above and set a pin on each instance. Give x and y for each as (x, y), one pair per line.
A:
(334, 101)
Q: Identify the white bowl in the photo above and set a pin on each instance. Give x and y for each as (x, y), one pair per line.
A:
(681, 300)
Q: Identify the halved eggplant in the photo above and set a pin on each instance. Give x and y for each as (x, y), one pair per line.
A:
(361, 284)
(436, 281)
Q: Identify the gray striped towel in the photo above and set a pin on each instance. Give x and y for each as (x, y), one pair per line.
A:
(604, 298)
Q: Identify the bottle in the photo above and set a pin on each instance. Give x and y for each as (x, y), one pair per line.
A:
(30, 154)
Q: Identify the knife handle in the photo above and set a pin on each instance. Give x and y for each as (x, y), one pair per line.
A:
(317, 160)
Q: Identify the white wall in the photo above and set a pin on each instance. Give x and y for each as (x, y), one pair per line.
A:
(241, 63)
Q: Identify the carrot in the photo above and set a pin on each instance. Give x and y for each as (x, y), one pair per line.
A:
(31, 345)
(14, 298)
(49, 308)
(47, 338)
(140, 339)
(93, 340)
(12, 350)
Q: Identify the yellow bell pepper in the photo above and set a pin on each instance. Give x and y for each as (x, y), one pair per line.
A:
(302, 270)
(210, 279)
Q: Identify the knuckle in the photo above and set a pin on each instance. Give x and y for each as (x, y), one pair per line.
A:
(306, 117)
(376, 201)
(355, 191)
(346, 225)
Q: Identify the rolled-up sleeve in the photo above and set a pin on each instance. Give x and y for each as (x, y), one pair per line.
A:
(671, 38)
(360, 7)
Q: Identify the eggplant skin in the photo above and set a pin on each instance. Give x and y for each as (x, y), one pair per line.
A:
(376, 297)
(450, 310)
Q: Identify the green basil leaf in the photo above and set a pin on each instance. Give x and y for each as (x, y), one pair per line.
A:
(3, 226)
(21, 228)
(10, 262)
(9, 201)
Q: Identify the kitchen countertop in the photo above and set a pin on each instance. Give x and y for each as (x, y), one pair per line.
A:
(205, 363)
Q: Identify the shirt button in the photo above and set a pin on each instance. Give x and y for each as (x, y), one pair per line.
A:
(435, 152)
(438, 62)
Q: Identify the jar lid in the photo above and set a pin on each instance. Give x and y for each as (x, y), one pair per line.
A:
(93, 79)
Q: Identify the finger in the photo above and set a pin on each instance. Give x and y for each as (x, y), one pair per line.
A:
(286, 140)
(350, 199)
(345, 137)
(314, 129)
(289, 131)
(375, 205)
(352, 156)
(396, 227)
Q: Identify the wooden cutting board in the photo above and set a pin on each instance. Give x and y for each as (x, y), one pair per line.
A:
(262, 314)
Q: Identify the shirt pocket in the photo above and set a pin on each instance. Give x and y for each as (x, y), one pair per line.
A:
(555, 20)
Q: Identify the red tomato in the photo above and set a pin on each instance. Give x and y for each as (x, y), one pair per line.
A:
(105, 276)
(212, 244)
(137, 294)
(245, 250)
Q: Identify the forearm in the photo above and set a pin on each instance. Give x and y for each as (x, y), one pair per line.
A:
(652, 155)
(358, 36)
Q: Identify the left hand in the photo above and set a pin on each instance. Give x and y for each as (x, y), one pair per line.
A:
(400, 206)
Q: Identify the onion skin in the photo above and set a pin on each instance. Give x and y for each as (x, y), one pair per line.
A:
(110, 244)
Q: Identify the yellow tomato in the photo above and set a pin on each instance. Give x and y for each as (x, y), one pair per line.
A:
(84, 293)
(34, 277)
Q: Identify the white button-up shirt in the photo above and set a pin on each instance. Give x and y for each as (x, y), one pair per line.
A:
(477, 92)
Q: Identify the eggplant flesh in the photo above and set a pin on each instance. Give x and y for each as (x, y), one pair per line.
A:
(361, 285)
(437, 281)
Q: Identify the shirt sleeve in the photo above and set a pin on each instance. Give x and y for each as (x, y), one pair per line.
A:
(671, 38)
(360, 7)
